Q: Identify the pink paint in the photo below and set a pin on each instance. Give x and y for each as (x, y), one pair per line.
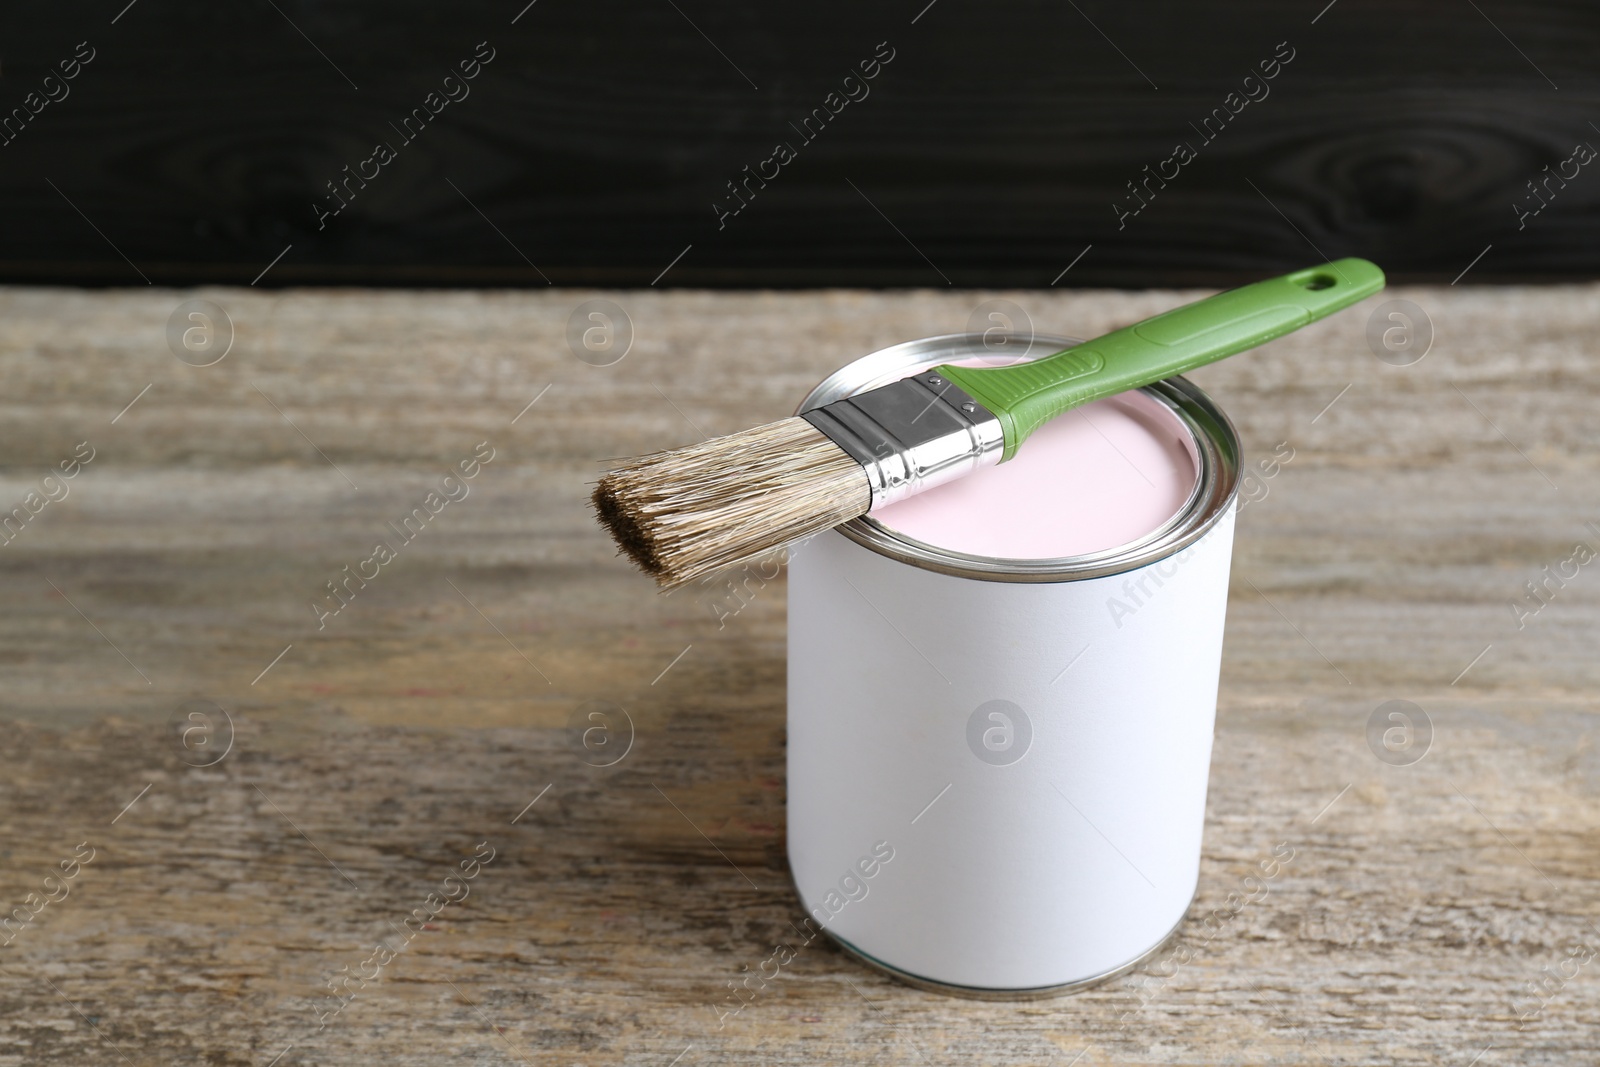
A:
(1095, 478)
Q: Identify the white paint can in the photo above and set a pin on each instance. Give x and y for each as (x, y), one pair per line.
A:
(997, 767)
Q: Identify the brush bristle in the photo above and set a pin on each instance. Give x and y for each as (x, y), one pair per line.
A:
(685, 513)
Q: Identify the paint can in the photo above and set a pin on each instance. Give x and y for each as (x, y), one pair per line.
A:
(997, 766)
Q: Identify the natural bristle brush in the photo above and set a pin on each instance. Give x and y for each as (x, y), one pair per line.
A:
(684, 513)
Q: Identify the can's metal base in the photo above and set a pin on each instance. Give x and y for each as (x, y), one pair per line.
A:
(1034, 993)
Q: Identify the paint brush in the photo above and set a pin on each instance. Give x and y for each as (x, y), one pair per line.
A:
(683, 513)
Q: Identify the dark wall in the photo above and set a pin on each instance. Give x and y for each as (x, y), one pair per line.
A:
(996, 144)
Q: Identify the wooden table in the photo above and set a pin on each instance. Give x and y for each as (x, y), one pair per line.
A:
(266, 801)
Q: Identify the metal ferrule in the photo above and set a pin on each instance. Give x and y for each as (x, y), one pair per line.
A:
(912, 435)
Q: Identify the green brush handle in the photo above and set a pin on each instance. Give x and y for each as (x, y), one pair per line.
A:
(1028, 395)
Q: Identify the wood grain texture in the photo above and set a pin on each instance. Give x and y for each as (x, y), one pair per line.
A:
(376, 754)
(994, 148)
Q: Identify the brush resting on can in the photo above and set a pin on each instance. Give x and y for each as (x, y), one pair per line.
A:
(683, 513)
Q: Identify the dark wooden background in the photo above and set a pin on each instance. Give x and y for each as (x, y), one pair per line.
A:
(989, 152)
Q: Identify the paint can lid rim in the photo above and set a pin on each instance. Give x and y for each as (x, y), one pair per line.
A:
(1216, 448)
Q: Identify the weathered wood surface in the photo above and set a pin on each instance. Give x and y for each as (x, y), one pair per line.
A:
(375, 755)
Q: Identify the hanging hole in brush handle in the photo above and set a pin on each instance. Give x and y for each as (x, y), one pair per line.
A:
(1027, 395)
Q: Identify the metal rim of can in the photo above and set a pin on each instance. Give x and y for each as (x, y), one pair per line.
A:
(1214, 441)
(969, 992)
